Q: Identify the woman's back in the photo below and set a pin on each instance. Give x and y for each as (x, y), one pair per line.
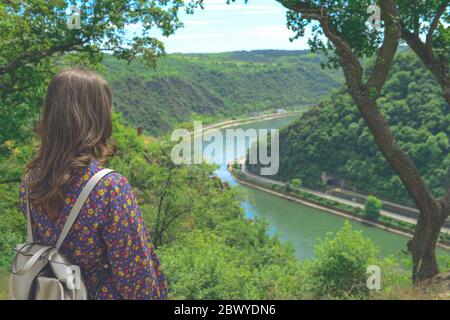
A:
(109, 231)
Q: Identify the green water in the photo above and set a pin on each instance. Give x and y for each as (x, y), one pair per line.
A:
(301, 225)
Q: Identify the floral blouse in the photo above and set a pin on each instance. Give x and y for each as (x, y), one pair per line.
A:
(109, 230)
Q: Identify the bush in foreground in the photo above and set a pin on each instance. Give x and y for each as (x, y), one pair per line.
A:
(340, 265)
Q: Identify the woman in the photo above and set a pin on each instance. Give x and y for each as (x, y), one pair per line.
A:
(109, 240)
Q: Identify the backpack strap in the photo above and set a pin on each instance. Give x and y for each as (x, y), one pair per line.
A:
(90, 185)
(29, 229)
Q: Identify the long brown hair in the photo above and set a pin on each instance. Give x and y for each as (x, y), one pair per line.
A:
(74, 129)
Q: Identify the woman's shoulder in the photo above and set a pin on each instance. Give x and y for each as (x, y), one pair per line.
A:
(111, 180)
(112, 184)
(114, 193)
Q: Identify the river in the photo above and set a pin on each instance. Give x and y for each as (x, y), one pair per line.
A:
(301, 225)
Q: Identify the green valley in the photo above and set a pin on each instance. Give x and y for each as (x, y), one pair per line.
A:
(183, 87)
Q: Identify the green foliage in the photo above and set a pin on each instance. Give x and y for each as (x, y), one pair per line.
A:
(340, 264)
(425, 12)
(204, 265)
(347, 18)
(395, 278)
(372, 207)
(12, 223)
(296, 183)
(200, 267)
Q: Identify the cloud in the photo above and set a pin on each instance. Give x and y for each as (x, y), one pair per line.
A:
(260, 24)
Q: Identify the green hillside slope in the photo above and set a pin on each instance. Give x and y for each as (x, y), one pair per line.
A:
(333, 137)
(183, 87)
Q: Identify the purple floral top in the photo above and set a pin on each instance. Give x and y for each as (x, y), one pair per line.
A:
(109, 230)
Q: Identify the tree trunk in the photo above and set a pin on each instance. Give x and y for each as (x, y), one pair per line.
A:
(431, 217)
(423, 247)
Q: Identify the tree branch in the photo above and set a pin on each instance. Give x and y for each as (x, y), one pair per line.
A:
(384, 138)
(435, 23)
(36, 56)
(414, 42)
(303, 7)
(350, 62)
(388, 49)
(428, 58)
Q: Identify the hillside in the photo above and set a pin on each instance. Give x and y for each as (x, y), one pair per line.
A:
(183, 87)
(333, 137)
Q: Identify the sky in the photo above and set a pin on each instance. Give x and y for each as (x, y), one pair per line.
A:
(260, 24)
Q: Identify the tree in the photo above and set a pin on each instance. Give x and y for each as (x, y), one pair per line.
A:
(35, 33)
(343, 23)
(372, 207)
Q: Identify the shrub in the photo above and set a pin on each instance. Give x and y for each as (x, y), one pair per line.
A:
(340, 265)
(395, 279)
(296, 183)
(372, 207)
(12, 223)
(204, 265)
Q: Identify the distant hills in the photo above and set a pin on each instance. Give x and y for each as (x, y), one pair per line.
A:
(184, 87)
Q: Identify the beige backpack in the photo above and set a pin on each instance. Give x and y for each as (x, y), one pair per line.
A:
(40, 272)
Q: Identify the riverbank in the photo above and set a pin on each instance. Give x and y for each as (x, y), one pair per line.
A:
(314, 201)
(333, 196)
(235, 122)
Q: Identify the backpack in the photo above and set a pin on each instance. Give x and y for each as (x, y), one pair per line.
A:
(40, 272)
